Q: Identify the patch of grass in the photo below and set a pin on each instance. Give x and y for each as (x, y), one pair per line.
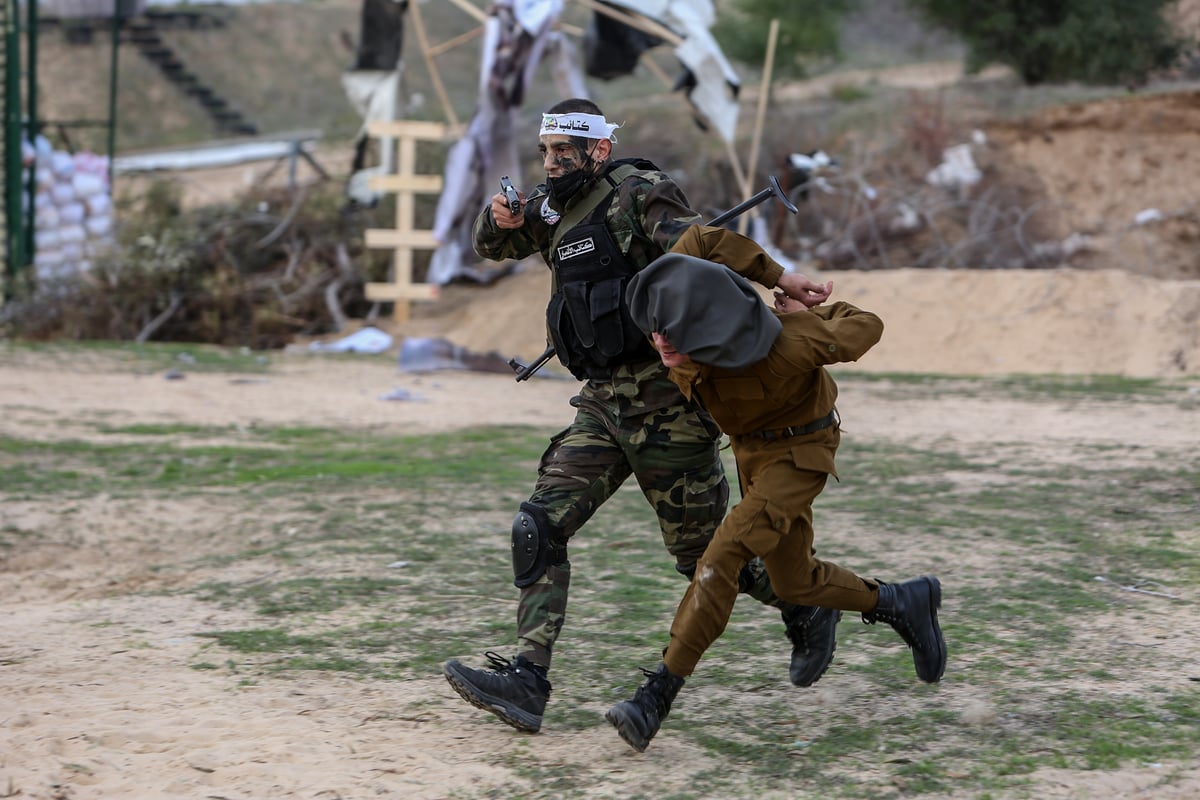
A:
(140, 358)
(849, 93)
(281, 458)
(300, 595)
(1099, 388)
(147, 429)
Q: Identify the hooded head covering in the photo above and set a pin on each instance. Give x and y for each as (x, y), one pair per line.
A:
(706, 310)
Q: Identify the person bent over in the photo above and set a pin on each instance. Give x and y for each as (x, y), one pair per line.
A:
(761, 374)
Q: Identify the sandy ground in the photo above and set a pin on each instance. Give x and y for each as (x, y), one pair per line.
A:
(97, 696)
(955, 322)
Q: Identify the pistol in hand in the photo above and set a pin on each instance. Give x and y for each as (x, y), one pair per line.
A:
(510, 192)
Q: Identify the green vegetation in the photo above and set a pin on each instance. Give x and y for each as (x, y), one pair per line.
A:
(1092, 41)
(808, 31)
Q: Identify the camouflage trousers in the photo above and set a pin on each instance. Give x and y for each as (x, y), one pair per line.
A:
(673, 454)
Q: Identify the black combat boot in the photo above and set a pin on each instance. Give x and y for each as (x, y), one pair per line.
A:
(514, 692)
(911, 608)
(813, 632)
(637, 720)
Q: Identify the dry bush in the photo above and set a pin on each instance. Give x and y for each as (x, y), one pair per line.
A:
(877, 210)
(276, 264)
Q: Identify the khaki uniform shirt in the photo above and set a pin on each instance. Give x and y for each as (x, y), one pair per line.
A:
(790, 387)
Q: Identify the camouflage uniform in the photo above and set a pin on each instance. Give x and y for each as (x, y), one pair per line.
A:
(631, 421)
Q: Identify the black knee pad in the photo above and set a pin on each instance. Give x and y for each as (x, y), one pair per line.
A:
(533, 545)
(746, 579)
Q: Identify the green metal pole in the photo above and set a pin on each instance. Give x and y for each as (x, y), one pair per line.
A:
(31, 32)
(14, 243)
(33, 127)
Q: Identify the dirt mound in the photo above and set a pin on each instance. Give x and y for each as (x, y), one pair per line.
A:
(966, 322)
(1121, 173)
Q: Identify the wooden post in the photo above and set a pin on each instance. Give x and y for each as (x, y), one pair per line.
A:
(404, 239)
(414, 10)
(748, 187)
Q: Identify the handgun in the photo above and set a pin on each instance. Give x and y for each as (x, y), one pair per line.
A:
(514, 199)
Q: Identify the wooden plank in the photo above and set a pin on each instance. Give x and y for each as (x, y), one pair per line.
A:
(404, 238)
(387, 237)
(388, 292)
(412, 128)
(477, 13)
(426, 184)
(438, 49)
(435, 77)
(635, 21)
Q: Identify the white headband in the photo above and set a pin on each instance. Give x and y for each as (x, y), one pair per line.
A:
(589, 126)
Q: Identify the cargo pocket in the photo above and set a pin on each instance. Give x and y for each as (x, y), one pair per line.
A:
(575, 305)
(551, 449)
(605, 307)
(558, 324)
(816, 451)
(760, 524)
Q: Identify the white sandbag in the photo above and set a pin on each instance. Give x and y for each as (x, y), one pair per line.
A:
(62, 164)
(72, 252)
(46, 239)
(72, 213)
(98, 204)
(92, 163)
(72, 233)
(87, 184)
(63, 193)
(46, 217)
(48, 258)
(98, 226)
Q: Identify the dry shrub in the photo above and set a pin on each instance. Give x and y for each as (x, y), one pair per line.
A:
(277, 264)
(878, 211)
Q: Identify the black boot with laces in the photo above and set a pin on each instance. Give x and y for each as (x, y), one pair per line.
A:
(813, 633)
(637, 720)
(911, 608)
(516, 692)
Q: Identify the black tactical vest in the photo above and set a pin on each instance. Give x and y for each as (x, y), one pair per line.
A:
(587, 317)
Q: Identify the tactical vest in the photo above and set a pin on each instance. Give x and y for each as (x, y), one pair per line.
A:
(587, 317)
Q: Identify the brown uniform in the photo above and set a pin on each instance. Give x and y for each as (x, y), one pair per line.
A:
(781, 474)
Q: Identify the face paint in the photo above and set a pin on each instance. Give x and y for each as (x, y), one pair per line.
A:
(566, 164)
(574, 172)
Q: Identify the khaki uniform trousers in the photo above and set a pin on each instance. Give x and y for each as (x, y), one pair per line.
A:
(772, 521)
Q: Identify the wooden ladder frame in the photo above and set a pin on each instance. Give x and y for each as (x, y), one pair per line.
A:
(404, 238)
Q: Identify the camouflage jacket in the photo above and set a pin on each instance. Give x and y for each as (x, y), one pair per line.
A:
(647, 216)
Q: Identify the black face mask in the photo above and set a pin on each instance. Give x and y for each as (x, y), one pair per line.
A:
(564, 188)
